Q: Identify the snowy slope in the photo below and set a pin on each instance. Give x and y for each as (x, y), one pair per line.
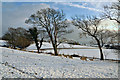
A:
(43, 65)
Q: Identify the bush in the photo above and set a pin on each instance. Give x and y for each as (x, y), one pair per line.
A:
(19, 37)
(22, 42)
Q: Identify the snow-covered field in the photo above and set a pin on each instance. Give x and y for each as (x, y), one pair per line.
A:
(77, 49)
(20, 64)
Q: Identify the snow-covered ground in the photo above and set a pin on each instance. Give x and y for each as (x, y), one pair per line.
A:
(2, 42)
(62, 45)
(77, 49)
(33, 65)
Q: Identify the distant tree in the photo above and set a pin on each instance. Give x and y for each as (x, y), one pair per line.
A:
(10, 36)
(17, 37)
(90, 26)
(52, 22)
(35, 34)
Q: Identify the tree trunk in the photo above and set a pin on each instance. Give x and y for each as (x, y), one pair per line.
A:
(38, 49)
(99, 46)
(37, 45)
(54, 44)
(41, 43)
(55, 50)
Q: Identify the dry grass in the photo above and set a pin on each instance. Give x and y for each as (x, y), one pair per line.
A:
(31, 51)
(18, 49)
(59, 54)
(70, 57)
(53, 54)
(84, 58)
(64, 56)
(23, 50)
(91, 59)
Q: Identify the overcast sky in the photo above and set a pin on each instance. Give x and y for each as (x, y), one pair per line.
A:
(14, 14)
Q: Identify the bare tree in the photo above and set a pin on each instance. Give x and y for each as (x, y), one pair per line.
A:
(51, 21)
(90, 26)
(35, 34)
(113, 11)
(106, 36)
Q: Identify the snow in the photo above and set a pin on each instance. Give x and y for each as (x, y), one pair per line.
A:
(78, 49)
(33, 65)
(2, 42)
(108, 54)
(45, 45)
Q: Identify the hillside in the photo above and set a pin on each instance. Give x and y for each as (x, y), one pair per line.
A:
(22, 64)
